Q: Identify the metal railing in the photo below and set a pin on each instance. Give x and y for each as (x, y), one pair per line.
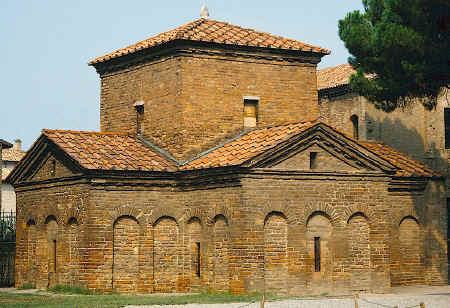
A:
(7, 226)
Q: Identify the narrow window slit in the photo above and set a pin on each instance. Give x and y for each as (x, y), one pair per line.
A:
(312, 160)
(54, 256)
(198, 259)
(317, 254)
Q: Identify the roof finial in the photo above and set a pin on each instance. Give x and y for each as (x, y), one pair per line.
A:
(204, 13)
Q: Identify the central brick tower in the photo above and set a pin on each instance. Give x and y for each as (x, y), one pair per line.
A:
(190, 88)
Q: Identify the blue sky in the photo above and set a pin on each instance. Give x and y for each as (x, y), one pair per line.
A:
(46, 44)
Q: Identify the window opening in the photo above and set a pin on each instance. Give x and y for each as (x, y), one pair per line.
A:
(54, 256)
(198, 259)
(312, 160)
(447, 127)
(317, 254)
(354, 120)
(250, 112)
(139, 106)
(53, 171)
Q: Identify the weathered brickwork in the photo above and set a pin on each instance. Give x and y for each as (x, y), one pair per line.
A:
(415, 130)
(193, 102)
(291, 209)
(249, 236)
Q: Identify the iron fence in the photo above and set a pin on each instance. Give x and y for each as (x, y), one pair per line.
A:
(7, 247)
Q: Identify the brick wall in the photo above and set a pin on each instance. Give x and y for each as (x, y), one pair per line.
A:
(415, 131)
(193, 102)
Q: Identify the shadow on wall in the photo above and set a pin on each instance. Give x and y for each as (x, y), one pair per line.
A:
(409, 141)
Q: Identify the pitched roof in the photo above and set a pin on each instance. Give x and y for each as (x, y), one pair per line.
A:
(122, 151)
(109, 151)
(208, 30)
(255, 142)
(407, 165)
(5, 144)
(12, 154)
(334, 76)
(248, 145)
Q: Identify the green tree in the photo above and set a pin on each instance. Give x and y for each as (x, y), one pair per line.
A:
(400, 50)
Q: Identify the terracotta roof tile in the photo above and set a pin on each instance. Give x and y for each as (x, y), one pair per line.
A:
(407, 165)
(251, 144)
(239, 150)
(335, 76)
(121, 151)
(109, 151)
(216, 32)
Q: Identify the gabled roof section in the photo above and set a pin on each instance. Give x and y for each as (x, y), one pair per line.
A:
(334, 76)
(406, 165)
(109, 151)
(260, 141)
(208, 30)
(5, 144)
(254, 143)
(247, 146)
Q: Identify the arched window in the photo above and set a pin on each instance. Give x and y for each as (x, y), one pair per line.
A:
(354, 120)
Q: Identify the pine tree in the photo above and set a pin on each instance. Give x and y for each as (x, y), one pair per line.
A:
(400, 50)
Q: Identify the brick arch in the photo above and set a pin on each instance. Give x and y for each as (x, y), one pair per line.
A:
(358, 208)
(126, 210)
(31, 216)
(165, 212)
(50, 211)
(194, 212)
(282, 208)
(402, 214)
(73, 213)
(311, 209)
(216, 211)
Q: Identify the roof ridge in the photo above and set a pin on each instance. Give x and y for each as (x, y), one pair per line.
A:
(234, 35)
(45, 130)
(286, 123)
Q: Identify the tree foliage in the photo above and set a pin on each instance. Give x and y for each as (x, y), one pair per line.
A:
(400, 50)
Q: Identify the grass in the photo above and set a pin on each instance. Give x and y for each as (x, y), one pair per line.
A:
(63, 289)
(26, 286)
(100, 301)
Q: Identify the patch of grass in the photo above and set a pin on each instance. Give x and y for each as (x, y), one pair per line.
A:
(26, 286)
(64, 289)
(15, 300)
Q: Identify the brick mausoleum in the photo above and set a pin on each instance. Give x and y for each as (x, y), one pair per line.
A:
(211, 171)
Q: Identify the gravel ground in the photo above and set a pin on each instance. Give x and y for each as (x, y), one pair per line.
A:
(435, 300)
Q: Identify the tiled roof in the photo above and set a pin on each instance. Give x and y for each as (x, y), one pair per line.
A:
(407, 165)
(239, 150)
(208, 30)
(334, 76)
(122, 151)
(247, 146)
(12, 154)
(109, 151)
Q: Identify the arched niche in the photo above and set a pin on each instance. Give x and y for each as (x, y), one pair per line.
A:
(276, 272)
(359, 252)
(52, 242)
(194, 251)
(319, 234)
(166, 254)
(125, 254)
(221, 242)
